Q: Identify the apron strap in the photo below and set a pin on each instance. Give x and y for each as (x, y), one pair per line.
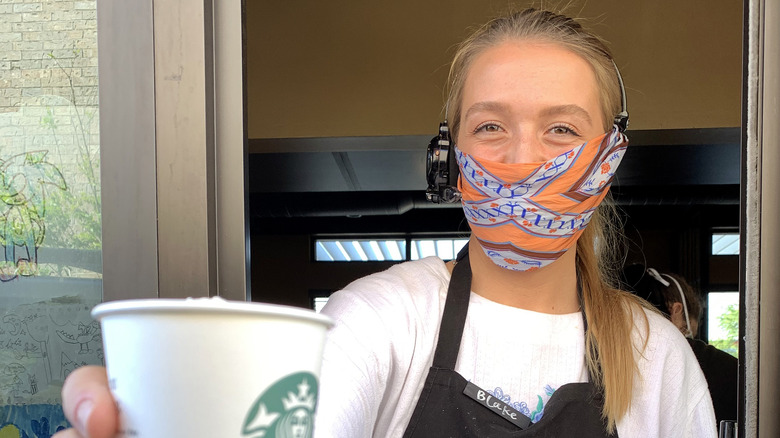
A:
(456, 308)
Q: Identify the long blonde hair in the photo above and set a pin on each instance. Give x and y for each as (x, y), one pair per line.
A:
(609, 311)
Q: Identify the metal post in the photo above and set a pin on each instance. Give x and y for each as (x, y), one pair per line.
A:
(761, 221)
(173, 148)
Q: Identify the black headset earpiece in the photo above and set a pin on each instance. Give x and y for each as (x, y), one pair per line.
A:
(442, 165)
(442, 168)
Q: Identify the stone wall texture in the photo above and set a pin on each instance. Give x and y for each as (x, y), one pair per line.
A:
(47, 47)
(49, 87)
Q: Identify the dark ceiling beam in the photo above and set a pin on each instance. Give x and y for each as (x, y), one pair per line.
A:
(384, 176)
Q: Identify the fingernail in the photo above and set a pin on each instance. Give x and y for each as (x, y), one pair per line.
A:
(82, 413)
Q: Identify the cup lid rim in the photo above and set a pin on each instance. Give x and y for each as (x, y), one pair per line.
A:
(206, 305)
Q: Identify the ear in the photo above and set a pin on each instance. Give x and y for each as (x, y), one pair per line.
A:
(677, 317)
(676, 309)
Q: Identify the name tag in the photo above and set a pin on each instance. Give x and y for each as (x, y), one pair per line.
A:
(506, 412)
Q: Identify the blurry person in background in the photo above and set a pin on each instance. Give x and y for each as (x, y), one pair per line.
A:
(681, 303)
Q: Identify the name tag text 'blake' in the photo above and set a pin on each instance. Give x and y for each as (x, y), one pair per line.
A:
(497, 406)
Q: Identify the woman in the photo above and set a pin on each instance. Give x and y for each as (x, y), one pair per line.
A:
(523, 336)
(667, 292)
(681, 303)
(531, 97)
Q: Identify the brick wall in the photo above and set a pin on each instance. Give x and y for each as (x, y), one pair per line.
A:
(41, 43)
(49, 86)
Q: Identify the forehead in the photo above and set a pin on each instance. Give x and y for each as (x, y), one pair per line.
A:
(532, 71)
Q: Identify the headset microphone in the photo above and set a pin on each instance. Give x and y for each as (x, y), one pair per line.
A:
(442, 168)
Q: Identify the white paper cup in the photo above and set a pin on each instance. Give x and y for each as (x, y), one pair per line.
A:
(212, 368)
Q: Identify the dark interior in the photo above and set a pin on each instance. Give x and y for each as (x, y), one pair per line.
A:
(673, 188)
(342, 102)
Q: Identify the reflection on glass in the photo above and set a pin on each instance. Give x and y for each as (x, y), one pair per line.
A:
(723, 321)
(725, 244)
(363, 250)
(445, 249)
(373, 250)
(50, 216)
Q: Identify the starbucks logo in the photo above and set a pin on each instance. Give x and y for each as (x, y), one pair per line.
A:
(285, 410)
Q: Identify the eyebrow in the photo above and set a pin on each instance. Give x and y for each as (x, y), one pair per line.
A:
(486, 106)
(570, 110)
(557, 110)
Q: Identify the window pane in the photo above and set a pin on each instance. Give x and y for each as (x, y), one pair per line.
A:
(50, 222)
(723, 321)
(425, 248)
(725, 244)
(445, 249)
(392, 251)
(319, 303)
(359, 250)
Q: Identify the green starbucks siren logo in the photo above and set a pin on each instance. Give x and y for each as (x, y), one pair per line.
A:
(285, 410)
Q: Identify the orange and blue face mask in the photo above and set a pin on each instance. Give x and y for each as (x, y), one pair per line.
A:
(527, 215)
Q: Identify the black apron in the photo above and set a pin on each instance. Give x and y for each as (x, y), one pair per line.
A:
(450, 406)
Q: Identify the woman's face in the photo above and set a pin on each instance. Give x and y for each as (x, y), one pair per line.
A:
(527, 102)
(300, 423)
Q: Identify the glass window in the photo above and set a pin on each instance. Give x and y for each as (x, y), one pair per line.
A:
(723, 321)
(319, 303)
(373, 250)
(359, 250)
(50, 212)
(445, 249)
(725, 244)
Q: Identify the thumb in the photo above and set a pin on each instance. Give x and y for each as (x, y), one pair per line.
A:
(88, 404)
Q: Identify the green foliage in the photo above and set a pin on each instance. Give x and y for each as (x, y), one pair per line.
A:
(729, 321)
(74, 215)
(24, 179)
(73, 221)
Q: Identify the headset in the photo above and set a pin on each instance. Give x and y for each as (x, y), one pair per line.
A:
(442, 165)
(659, 277)
(442, 168)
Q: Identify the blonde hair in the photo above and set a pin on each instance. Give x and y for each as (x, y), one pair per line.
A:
(609, 312)
(542, 26)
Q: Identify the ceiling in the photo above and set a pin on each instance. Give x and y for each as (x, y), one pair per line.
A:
(355, 177)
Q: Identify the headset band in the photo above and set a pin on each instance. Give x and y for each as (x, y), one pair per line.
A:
(621, 119)
(659, 277)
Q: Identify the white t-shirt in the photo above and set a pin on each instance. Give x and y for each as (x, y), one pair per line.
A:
(378, 354)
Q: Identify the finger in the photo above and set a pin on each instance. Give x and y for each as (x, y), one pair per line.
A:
(88, 404)
(67, 433)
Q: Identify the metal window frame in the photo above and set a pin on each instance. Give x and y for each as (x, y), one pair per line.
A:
(760, 219)
(173, 134)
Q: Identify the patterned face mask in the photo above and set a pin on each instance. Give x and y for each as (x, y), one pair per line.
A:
(526, 215)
